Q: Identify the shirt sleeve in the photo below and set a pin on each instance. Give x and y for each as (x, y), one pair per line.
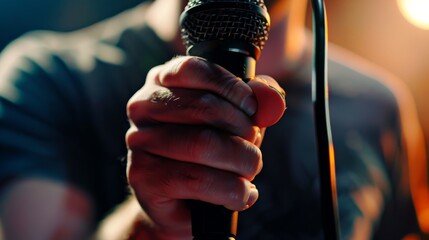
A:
(63, 103)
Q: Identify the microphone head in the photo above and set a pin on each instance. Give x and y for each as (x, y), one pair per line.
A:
(245, 21)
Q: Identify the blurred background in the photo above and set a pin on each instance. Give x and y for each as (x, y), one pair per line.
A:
(378, 30)
(20, 16)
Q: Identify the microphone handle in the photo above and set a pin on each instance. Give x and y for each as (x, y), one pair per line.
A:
(209, 221)
(212, 222)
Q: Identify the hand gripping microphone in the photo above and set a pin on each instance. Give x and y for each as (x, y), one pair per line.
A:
(230, 33)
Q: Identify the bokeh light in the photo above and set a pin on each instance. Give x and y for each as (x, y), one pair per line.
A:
(416, 12)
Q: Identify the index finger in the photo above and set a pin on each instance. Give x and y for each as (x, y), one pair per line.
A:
(198, 73)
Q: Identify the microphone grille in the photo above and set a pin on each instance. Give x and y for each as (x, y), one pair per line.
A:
(208, 20)
(193, 3)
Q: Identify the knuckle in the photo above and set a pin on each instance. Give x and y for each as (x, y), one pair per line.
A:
(138, 111)
(180, 67)
(139, 165)
(132, 109)
(134, 104)
(135, 171)
(190, 62)
(154, 73)
(139, 138)
(131, 138)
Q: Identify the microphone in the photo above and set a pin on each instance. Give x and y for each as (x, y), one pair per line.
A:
(230, 33)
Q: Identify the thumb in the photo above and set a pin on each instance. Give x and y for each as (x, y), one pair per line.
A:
(271, 100)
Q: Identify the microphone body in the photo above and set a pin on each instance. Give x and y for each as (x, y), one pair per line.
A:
(230, 33)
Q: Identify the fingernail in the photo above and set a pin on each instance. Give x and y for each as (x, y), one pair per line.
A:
(249, 105)
(280, 92)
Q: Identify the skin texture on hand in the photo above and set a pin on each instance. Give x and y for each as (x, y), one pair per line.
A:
(195, 134)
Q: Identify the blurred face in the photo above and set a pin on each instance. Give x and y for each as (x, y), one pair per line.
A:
(287, 38)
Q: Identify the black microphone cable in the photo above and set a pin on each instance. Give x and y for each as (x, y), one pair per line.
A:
(325, 147)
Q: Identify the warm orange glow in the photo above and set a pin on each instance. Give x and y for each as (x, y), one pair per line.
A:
(412, 237)
(416, 12)
(333, 174)
(417, 162)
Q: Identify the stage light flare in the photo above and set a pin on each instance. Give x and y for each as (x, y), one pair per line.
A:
(416, 12)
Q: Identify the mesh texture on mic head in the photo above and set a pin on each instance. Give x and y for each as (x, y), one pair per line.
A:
(208, 20)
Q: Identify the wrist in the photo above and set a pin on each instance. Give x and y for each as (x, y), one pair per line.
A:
(127, 221)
